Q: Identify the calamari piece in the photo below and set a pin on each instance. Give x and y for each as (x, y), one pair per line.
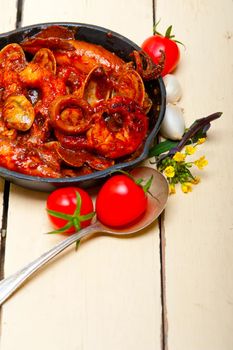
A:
(73, 141)
(50, 86)
(27, 160)
(18, 113)
(119, 128)
(96, 87)
(39, 132)
(48, 154)
(80, 54)
(53, 37)
(86, 56)
(34, 75)
(70, 114)
(146, 67)
(77, 158)
(56, 31)
(12, 62)
(34, 45)
(72, 78)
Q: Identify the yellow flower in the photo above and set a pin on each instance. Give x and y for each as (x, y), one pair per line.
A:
(186, 187)
(190, 150)
(201, 162)
(201, 140)
(169, 171)
(179, 157)
(172, 189)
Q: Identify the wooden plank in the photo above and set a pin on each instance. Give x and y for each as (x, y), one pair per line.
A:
(107, 14)
(106, 295)
(8, 15)
(7, 23)
(198, 226)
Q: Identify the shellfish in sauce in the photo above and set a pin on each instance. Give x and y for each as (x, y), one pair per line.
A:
(72, 108)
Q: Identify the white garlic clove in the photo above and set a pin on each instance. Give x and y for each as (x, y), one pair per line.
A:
(173, 125)
(173, 88)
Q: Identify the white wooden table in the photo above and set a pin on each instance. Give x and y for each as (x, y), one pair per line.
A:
(172, 287)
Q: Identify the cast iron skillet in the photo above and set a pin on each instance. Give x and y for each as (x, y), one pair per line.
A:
(122, 47)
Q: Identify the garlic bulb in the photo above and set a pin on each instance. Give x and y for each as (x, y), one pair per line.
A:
(173, 125)
(173, 88)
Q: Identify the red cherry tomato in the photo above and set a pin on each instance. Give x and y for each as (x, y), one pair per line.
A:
(157, 43)
(120, 201)
(64, 200)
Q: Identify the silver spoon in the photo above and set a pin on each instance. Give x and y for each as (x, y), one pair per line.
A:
(156, 203)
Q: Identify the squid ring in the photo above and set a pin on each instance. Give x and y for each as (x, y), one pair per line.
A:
(70, 114)
(119, 129)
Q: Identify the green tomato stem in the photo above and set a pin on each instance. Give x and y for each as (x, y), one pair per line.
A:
(73, 220)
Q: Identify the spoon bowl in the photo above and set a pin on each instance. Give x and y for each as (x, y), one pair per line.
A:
(157, 198)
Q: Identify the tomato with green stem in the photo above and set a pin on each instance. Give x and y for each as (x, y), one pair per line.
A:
(121, 200)
(158, 43)
(69, 209)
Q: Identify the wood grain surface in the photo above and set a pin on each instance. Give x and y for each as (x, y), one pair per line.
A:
(8, 20)
(168, 288)
(198, 226)
(107, 295)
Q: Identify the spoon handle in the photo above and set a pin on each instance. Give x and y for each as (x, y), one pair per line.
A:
(13, 282)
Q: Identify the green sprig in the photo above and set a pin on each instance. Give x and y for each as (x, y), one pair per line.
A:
(168, 33)
(196, 131)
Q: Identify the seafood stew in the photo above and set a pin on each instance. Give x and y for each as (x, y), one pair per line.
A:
(71, 109)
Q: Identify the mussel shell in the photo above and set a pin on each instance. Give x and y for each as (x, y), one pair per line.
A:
(130, 84)
(45, 58)
(96, 86)
(12, 55)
